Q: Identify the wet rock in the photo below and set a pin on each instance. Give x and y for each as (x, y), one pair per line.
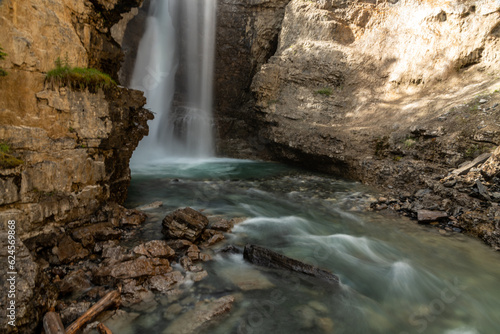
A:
(150, 206)
(139, 267)
(325, 324)
(155, 248)
(132, 218)
(75, 283)
(179, 245)
(87, 235)
(172, 311)
(121, 321)
(186, 262)
(222, 225)
(305, 316)
(427, 216)
(231, 249)
(198, 276)
(193, 253)
(204, 257)
(204, 314)
(246, 278)
(268, 258)
(216, 238)
(68, 250)
(70, 313)
(164, 283)
(136, 296)
(184, 224)
(115, 254)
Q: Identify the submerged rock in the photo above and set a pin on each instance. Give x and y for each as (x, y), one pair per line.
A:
(164, 283)
(267, 258)
(184, 223)
(150, 206)
(204, 314)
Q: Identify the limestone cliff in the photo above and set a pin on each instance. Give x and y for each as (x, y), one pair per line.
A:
(75, 145)
(392, 93)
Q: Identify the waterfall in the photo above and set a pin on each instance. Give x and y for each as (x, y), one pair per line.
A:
(174, 68)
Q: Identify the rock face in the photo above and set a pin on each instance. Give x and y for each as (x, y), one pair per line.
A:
(347, 72)
(247, 35)
(392, 93)
(75, 146)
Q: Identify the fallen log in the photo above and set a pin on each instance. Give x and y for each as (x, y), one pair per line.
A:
(102, 329)
(267, 258)
(52, 323)
(112, 298)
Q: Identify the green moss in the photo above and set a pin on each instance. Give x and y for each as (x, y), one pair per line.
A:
(7, 160)
(78, 77)
(2, 56)
(327, 91)
(409, 143)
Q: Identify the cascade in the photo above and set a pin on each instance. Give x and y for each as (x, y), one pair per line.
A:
(174, 68)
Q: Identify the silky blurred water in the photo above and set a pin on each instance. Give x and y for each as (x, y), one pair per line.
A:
(396, 276)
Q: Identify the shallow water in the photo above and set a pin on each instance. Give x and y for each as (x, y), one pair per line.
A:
(396, 276)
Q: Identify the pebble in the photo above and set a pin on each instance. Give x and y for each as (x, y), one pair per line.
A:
(482, 101)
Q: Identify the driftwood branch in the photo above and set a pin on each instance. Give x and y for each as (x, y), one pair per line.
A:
(52, 323)
(102, 329)
(112, 298)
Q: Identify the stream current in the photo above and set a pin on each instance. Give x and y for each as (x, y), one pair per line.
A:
(396, 276)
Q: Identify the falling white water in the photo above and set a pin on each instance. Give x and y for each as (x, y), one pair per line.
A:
(174, 68)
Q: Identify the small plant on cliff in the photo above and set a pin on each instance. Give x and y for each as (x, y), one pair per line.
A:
(7, 160)
(78, 77)
(409, 143)
(2, 56)
(325, 91)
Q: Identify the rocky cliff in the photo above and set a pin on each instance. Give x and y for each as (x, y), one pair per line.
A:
(392, 93)
(72, 146)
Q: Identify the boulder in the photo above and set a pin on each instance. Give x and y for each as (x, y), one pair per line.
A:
(139, 267)
(427, 216)
(155, 248)
(267, 258)
(184, 223)
(68, 250)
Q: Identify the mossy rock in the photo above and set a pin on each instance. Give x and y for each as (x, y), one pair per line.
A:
(9, 161)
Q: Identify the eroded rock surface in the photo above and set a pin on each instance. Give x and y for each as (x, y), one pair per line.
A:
(393, 93)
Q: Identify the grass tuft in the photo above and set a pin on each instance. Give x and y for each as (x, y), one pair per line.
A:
(78, 77)
(7, 160)
(325, 91)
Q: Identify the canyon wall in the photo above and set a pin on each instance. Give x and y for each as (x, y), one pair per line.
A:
(73, 146)
(396, 94)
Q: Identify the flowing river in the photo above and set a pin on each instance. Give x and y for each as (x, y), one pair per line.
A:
(396, 276)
